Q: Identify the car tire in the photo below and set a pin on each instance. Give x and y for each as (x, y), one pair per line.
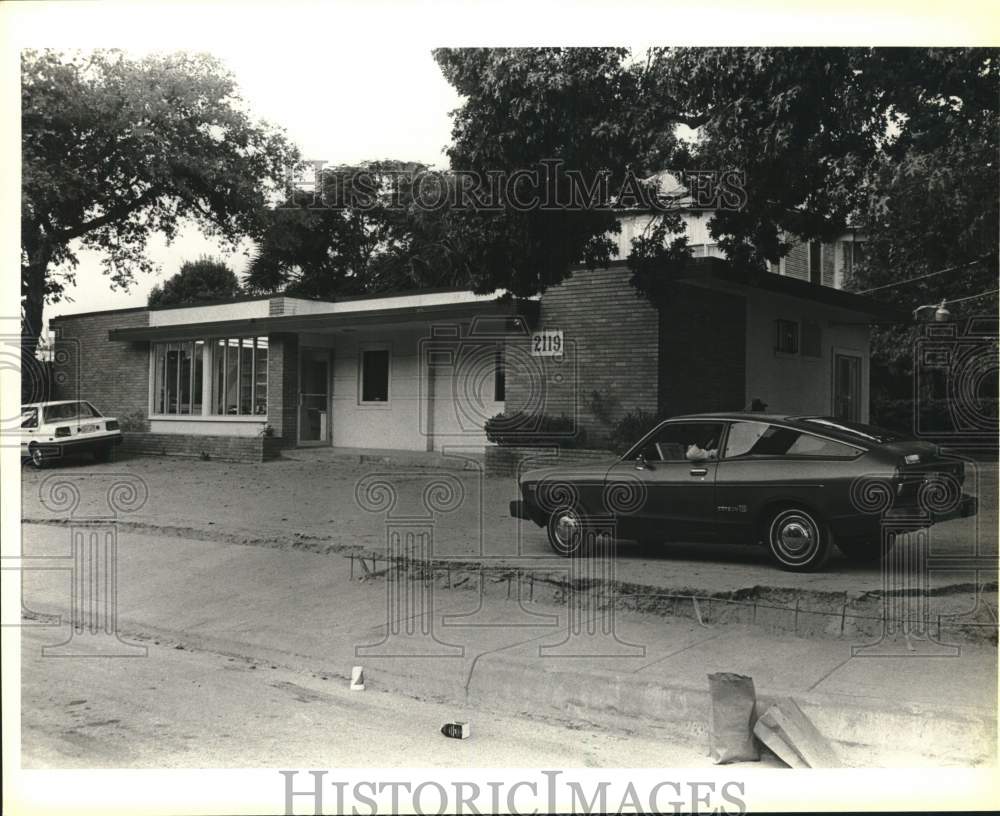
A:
(565, 529)
(38, 461)
(797, 539)
(860, 550)
(105, 453)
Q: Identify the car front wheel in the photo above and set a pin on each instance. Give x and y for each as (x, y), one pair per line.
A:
(566, 531)
(37, 459)
(797, 540)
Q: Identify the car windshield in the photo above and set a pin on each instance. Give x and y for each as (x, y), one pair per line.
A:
(69, 410)
(29, 417)
(867, 433)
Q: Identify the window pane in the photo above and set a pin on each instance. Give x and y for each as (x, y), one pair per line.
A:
(184, 361)
(684, 441)
(743, 436)
(246, 376)
(219, 378)
(159, 362)
(375, 376)
(260, 378)
(197, 369)
(808, 445)
(171, 389)
(232, 376)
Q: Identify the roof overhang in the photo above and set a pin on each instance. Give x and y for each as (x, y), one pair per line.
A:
(323, 322)
(717, 269)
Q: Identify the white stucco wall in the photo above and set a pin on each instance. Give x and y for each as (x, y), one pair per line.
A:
(795, 383)
(241, 310)
(422, 412)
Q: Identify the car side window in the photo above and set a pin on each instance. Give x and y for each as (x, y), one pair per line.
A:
(684, 442)
(29, 417)
(761, 439)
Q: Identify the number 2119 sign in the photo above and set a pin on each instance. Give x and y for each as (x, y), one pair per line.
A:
(548, 343)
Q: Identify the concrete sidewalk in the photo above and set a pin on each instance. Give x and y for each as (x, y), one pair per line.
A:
(478, 649)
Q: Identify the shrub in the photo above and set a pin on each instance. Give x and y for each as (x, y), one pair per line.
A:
(631, 428)
(133, 421)
(520, 429)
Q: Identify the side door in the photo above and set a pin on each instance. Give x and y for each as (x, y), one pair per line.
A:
(674, 469)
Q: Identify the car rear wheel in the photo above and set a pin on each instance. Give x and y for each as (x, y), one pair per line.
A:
(797, 540)
(566, 531)
(860, 550)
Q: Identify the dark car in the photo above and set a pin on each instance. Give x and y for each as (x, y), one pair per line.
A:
(797, 484)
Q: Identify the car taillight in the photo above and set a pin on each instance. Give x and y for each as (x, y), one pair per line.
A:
(111, 425)
(63, 430)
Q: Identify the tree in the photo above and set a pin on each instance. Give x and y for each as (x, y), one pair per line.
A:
(200, 281)
(364, 231)
(523, 108)
(115, 149)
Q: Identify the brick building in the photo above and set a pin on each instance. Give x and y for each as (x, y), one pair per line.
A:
(424, 371)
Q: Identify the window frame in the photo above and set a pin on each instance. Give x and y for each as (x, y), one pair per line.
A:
(362, 351)
(203, 370)
(778, 322)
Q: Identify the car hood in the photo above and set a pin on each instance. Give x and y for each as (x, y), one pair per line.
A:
(592, 471)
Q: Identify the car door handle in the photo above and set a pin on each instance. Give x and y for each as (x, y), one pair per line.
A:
(699, 471)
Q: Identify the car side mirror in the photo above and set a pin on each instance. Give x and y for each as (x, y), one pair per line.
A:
(641, 463)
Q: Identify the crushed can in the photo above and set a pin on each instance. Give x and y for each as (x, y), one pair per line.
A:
(460, 729)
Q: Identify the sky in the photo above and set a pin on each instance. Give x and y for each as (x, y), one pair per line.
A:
(342, 105)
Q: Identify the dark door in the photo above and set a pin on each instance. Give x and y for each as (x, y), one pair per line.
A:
(676, 470)
(847, 387)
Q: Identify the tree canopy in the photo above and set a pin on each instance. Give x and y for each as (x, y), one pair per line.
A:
(115, 149)
(200, 281)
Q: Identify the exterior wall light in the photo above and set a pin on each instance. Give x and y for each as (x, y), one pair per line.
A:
(941, 313)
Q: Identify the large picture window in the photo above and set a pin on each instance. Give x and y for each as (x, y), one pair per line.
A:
(236, 383)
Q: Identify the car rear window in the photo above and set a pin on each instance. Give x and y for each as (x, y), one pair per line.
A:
(761, 439)
(69, 410)
(857, 430)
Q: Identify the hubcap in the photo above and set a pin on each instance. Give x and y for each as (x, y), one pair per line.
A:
(566, 527)
(794, 537)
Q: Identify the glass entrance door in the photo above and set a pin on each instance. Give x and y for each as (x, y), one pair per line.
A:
(314, 396)
(847, 387)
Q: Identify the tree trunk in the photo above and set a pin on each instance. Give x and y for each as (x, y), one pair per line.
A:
(33, 296)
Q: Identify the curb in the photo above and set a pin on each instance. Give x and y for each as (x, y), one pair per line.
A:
(866, 732)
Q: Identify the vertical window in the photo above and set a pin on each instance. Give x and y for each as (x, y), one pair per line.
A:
(786, 339)
(231, 400)
(375, 375)
(246, 376)
(197, 368)
(500, 377)
(260, 377)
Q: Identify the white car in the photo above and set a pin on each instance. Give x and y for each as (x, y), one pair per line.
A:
(51, 430)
